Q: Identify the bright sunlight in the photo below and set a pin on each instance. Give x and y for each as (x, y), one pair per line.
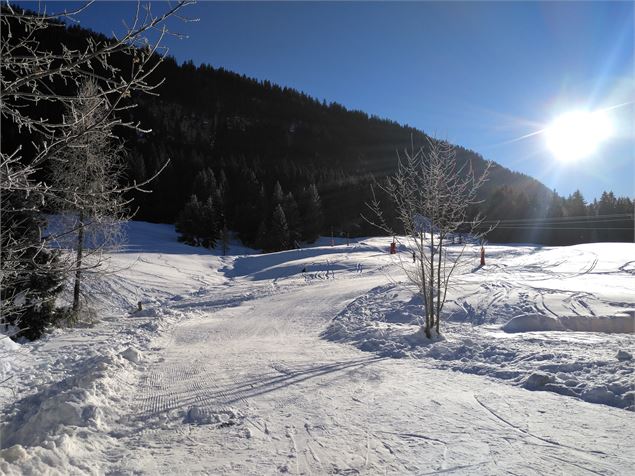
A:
(577, 134)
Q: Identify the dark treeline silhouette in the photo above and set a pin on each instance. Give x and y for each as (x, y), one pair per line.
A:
(279, 167)
(519, 217)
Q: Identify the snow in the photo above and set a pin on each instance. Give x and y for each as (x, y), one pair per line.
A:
(381, 321)
(311, 362)
(131, 354)
(620, 322)
(533, 322)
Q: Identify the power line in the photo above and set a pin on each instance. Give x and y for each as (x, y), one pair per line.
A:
(614, 216)
(572, 222)
(511, 227)
(588, 224)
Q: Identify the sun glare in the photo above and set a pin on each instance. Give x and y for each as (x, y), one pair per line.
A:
(577, 134)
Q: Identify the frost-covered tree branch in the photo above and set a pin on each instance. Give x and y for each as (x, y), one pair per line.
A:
(431, 196)
(84, 178)
(39, 85)
(32, 75)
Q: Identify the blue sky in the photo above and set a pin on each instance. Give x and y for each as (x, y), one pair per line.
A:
(481, 74)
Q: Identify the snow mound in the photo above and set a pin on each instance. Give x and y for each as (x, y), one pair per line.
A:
(623, 323)
(532, 323)
(599, 395)
(384, 321)
(537, 380)
(225, 417)
(6, 344)
(622, 355)
(148, 312)
(8, 353)
(619, 323)
(81, 400)
(132, 355)
(14, 454)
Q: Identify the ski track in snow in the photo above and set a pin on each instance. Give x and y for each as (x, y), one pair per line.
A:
(233, 376)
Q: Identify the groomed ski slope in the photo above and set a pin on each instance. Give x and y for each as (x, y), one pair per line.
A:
(246, 365)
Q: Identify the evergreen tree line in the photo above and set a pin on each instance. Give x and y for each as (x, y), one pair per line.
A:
(272, 220)
(257, 134)
(519, 217)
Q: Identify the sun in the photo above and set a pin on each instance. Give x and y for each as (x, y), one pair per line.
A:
(577, 134)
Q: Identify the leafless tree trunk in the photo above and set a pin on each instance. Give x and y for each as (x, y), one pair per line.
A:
(431, 195)
(78, 264)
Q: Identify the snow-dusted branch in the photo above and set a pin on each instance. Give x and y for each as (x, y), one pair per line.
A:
(51, 125)
(431, 196)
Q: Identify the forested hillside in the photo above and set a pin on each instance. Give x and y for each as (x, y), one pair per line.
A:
(278, 166)
(253, 135)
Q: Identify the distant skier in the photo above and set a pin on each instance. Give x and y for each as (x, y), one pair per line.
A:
(414, 257)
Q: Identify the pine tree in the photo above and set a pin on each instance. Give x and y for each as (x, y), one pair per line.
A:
(279, 230)
(197, 223)
(207, 229)
(248, 196)
(575, 206)
(624, 206)
(607, 204)
(292, 214)
(311, 214)
(186, 223)
(31, 274)
(278, 196)
(225, 240)
(205, 185)
(554, 210)
(262, 237)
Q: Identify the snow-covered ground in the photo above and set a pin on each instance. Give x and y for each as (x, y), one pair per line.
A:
(286, 363)
(503, 317)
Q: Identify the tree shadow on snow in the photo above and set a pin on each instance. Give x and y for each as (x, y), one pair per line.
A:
(242, 390)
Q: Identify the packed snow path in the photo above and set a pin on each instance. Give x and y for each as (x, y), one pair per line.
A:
(226, 371)
(252, 389)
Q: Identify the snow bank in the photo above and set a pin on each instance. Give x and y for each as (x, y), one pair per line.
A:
(49, 430)
(622, 322)
(132, 355)
(619, 323)
(78, 401)
(8, 349)
(533, 322)
(74, 382)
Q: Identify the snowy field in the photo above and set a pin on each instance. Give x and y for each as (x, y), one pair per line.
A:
(303, 362)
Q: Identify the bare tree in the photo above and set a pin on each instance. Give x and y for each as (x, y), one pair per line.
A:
(32, 75)
(34, 78)
(85, 177)
(431, 196)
